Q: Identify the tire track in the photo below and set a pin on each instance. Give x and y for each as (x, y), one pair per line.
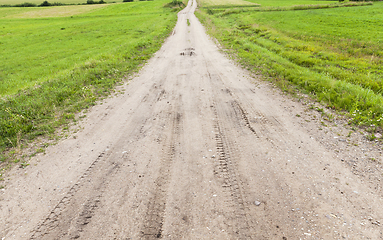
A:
(51, 222)
(228, 112)
(241, 227)
(242, 115)
(232, 182)
(154, 217)
(259, 124)
(74, 211)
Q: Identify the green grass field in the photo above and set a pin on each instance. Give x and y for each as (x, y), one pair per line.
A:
(35, 50)
(53, 67)
(47, 12)
(284, 3)
(14, 2)
(336, 54)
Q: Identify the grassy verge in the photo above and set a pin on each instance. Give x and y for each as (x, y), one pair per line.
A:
(81, 59)
(334, 54)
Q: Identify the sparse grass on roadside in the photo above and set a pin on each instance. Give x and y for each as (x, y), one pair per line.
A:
(334, 54)
(56, 67)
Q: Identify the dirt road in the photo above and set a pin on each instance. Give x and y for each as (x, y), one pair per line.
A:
(197, 149)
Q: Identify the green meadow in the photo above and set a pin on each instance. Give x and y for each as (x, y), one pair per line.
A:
(333, 51)
(37, 2)
(56, 61)
(36, 48)
(284, 3)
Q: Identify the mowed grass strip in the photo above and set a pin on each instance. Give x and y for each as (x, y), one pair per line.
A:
(54, 67)
(37, 2)
(224, 3)
(48, 12)
(335, 54)
(285, 3)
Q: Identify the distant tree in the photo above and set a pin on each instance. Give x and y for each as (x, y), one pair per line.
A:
(45, 4)
(95, 2)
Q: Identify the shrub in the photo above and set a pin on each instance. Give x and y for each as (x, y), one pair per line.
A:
(26, 4)
(95, 2)
(175, 4)
(45, 4)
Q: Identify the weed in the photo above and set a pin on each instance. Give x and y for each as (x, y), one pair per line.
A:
(40, 150)
(319, 110)
(371, 137)
(24, 165)
(371, 129)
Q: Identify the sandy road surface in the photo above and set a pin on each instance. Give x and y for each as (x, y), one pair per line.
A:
(196, 149)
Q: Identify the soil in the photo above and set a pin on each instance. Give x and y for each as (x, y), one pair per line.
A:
(197, 148)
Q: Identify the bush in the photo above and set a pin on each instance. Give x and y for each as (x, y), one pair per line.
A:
(26, 4)
(175, 4)
(45, 4)
(127, 1)
(95, 2)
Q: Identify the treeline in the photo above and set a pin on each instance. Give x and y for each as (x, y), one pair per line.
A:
(138, 0)
(363, 0)
(48, 4)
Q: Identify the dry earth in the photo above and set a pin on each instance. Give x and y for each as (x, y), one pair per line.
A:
(196, 148)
